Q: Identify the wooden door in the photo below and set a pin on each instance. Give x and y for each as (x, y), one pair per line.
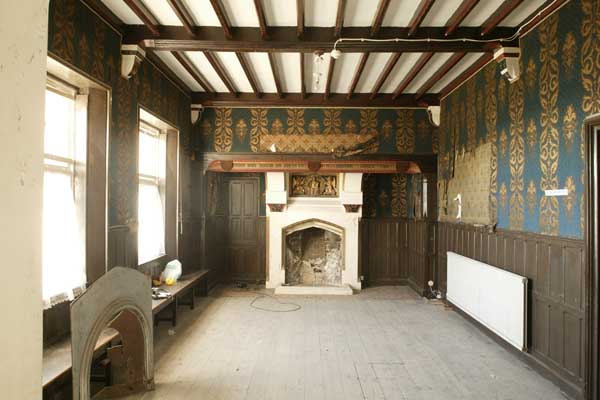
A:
(246, 233)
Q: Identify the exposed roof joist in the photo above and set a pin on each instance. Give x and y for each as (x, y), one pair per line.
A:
(391, 63)
(498, 16)
(414, 71)
(439, 74)
(142, 12)
(466, 74)
(183, 14)
(378, 18)
(223, 20)
(419, 16)
(275, 72)
(459, 15)
(194, 73)
(216, 65)
(329, 77)
(357, 74)
(262, 21)
(249, 74)
(339, 19)
(300, 18)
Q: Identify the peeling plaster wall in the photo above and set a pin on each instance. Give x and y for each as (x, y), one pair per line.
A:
(23, 33)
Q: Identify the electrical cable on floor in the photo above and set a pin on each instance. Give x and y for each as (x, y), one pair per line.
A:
(263, 295)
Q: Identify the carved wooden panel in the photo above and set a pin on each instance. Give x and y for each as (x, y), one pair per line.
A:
(313, 185)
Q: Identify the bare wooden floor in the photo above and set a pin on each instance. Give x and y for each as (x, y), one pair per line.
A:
(385, 343)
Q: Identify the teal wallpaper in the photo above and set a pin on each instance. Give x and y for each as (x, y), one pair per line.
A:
(82, 40)
(391, 195)
(317, 130)
(535, 124)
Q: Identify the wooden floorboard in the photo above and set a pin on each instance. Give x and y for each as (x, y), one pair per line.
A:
(385, 343)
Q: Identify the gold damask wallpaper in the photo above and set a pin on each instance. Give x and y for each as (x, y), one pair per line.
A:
(535, 126)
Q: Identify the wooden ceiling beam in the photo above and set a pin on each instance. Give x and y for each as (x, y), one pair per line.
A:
(439, 74)
(168, 72)
(214, 62)
(498, 16)
(339, 19)
(466, 74)
(359, 100)
(197, 75)
(275, 72)
(145, 15)
(414, 71)
(329, 77)
(302, 76)
(300, 18)
(391, 63)
(419, 16)
(541, 13)
(459, 15)
(378, 18)
(183, 14)
(262, 21)
(223, 20)
(249, 74)
(357, 74)
(284, 39)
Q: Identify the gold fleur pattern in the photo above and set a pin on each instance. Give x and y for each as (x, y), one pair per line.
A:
(63, 38)
(258, 127)
(387, 128)
(530, 75)
(206, 128)
(223, 133)
(405, 133)
(435, 134)
(423, 129)
(314, 128)
(241, 129)
(503, 195)
(590, 56)
(569, 126)
(570, 199)
(350, 127)
(295, 121)
(471, 115)
(84, 52)
(569, 53)
(332, 121)
(399, 196)
(368, 122)
(383, 200)
(517, 156)
(531, 197)
(531, 135)
(502, 91)
(491, 121)
(503, 142)
(277, 127)
(369, 192)
(549, 137)
(98, 61)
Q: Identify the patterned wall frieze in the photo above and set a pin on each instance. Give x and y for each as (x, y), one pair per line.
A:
(517, 156)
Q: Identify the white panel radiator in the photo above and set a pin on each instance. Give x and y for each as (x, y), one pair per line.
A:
(492, 296)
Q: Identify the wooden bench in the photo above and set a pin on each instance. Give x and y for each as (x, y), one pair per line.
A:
(56, 359)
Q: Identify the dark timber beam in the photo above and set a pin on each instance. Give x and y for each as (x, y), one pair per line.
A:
(249, 74)
(391, 63)
(498, 16)
(357, 73)
(218, 7)
(275, 72)
(459, 15)
(300, 18)
(183, 14)
(414, 71)
(214, 62)
(378, 19)
(359, 100)
(329, 77)
(262, 21)
(145, 15)
(302, 77)
(419, 16)
(541, 13)
(198, 77)
(439, 74)
(162, 67)
(339, 19)
(284, 39)
(466, 74)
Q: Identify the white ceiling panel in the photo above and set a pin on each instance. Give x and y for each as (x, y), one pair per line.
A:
(123, 11)
(399, 12)
(259, 62)
(360, 12)
(481, 12)
(202, 12)
(345, 66)
(163, 12)
(401, 69)
(427, 72)
(373, 68)
(234, 70)
(241, 12)
(280, 12)
(316, 73)
(178, 70)
(458, 69)
(202, 64)
(320, 13)
(289, 71)
(523, 11)
(440, 12)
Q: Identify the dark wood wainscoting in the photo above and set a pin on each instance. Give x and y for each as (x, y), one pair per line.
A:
(396, 251)
(556, 268)
(190, 251)
(119, 247)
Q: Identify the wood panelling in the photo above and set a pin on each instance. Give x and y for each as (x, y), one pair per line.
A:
(119, 247)
(396, 251)
(555, 268)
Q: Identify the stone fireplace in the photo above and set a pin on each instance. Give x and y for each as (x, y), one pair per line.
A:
(313, 234)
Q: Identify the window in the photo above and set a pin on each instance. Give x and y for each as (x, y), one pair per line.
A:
(151, 193)
(63, 220)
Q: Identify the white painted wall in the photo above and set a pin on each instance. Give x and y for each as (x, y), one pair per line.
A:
(23, 42)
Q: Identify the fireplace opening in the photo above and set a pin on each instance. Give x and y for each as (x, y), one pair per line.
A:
(313, 257)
